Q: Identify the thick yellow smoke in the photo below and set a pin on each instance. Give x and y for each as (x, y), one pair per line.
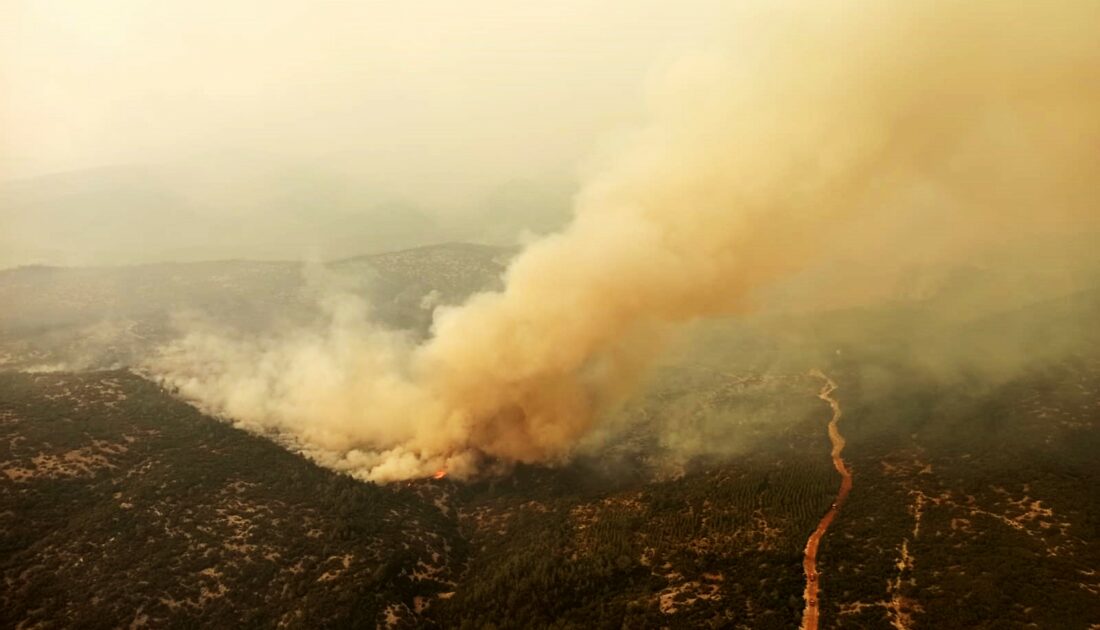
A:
(938, 128)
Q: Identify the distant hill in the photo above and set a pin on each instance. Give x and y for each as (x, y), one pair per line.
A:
(104, 316)
(147, 213)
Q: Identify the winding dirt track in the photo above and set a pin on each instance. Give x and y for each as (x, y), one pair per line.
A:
(809, 562)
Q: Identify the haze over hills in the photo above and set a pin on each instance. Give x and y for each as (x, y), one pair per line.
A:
(102, 216)
(71, 318)
(104, 317)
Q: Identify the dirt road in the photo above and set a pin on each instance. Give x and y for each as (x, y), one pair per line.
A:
(809, 562)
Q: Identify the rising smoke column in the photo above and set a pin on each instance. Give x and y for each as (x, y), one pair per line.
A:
(755, 165)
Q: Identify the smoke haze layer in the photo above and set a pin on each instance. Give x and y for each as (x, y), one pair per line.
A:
(849, 131)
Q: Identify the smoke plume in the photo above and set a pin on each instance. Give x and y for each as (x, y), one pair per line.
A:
(889, 132)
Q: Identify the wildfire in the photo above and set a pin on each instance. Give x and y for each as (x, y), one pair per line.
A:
(439, 474)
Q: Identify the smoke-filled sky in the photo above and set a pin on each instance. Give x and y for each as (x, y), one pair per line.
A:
(683, 160)
(193, 111)
(886, 134)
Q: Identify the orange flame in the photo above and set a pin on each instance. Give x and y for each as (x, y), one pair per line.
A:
(439, 474)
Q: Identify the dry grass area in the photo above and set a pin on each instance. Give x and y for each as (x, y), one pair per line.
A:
(78, 462)
(686, 592)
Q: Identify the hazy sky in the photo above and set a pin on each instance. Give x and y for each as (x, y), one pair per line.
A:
(433, 98)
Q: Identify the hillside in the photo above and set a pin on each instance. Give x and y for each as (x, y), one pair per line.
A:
(97, 317)
(124, 504)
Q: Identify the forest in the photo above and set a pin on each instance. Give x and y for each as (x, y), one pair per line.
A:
(971, 503)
